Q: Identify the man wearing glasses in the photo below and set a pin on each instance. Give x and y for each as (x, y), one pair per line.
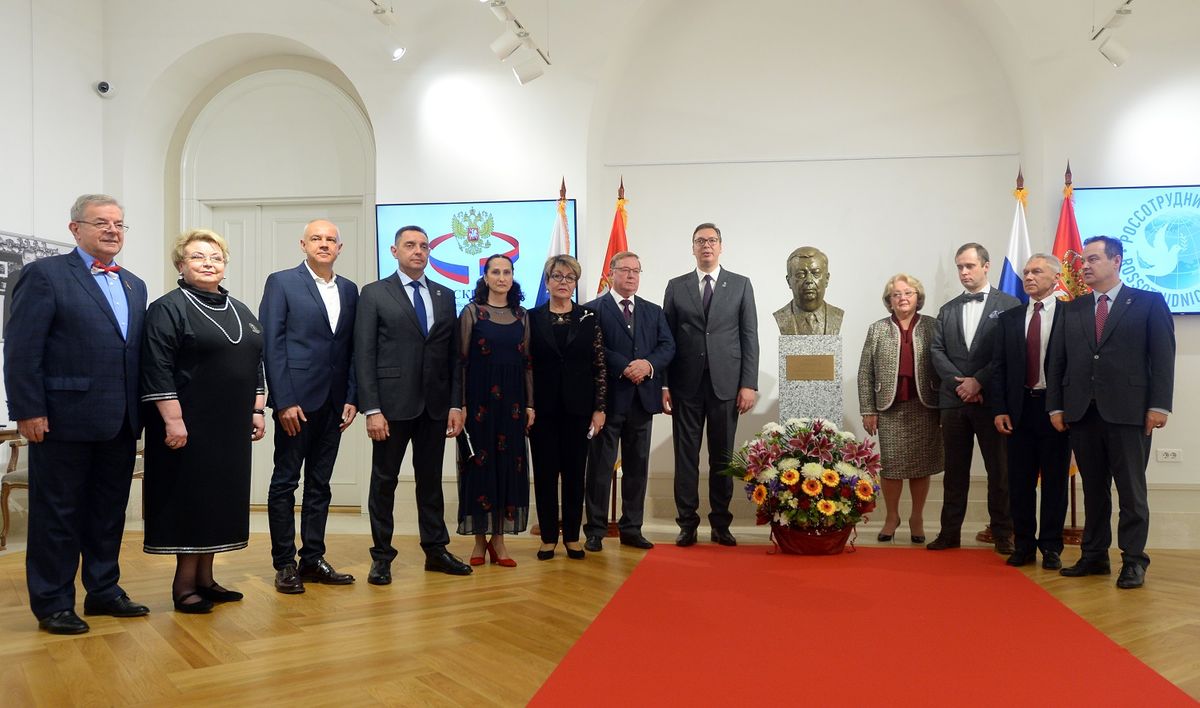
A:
(713, 379)
(637, 348)
(71, 358)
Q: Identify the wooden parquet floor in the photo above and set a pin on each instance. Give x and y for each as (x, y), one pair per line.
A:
(427, 639)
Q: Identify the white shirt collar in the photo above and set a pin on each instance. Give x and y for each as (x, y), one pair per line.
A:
(319, 279)
(716, 274)
(618, 297)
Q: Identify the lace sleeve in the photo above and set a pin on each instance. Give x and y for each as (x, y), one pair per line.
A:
(466, 324)
(525, 328)
(599, 368)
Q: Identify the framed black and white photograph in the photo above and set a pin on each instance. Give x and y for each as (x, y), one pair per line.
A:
(17, 250)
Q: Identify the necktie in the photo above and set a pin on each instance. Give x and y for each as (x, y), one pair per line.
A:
(1101, 316)
(98, 267)
(707, 294)
(973, 297)
(419, 306)
(1033, 348)
(628, 313)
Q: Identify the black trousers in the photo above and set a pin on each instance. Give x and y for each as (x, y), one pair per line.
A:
(314, 448)
(559, 446)
(960, 428)
(630, 432)
(428, 438)
(689, 419)
(1035, 446)
(1108, 453)
(78, 492)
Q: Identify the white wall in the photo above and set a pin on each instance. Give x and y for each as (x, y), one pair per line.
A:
(885, 133)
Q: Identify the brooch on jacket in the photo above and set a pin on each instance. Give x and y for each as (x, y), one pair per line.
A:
(586, 314)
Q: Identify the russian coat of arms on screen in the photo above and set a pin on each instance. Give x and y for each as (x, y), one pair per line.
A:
(473, 230)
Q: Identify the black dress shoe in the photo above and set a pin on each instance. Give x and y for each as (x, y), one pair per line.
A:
(941, 543)
(686, 537)
(723, 537)
(64, 622)
(576, 554)
(201, 607)
(381, 573)
(1005, 547)
(593, 544)
(545, 555)
(322, 572)
(638, 541)
(445, 562)
(1019, 559)
(287, 580)
(1133, 575)
(1086, 568)
(216, 593)
(1051, 561)
(120, 606)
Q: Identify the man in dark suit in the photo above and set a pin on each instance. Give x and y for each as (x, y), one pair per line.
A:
(962, 355)
(1110, 379)
(638, 347)
(713, 379)
(71, 371)
(307, 314)
(1017, 394)
(405, 349)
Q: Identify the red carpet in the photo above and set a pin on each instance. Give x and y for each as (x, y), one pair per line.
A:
(709, 625)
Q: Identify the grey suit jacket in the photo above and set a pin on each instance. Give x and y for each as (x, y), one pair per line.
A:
(952, 357)
(878, 368)
(1130, 370)
(401, 372)
(727, 341)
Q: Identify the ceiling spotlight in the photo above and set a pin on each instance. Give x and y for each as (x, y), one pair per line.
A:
(1114, 51)
(529, 70)
(510, 41)
(398, 54)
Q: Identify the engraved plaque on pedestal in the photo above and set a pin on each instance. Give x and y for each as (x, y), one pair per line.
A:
(810, 377)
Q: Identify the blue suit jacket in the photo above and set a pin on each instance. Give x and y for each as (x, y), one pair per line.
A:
(307, 363)
(64, 357)
(650, 340)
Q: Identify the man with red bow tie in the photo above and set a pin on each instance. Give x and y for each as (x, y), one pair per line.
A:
(71, 356)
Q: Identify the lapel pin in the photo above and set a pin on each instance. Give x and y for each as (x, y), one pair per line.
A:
(1128, 300)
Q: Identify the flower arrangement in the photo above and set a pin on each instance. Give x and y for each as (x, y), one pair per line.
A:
(808, 475)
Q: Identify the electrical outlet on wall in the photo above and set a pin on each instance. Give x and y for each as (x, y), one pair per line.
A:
(1168, 454)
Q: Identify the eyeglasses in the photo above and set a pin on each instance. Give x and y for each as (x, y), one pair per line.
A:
(560, 278)
(105, 225)
(198, 258)
(907, 293)
(706, 241)
(628, 271)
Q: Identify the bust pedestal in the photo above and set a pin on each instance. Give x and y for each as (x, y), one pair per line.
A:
(810, 377)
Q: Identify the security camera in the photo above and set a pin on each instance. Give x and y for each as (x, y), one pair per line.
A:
(104, 89)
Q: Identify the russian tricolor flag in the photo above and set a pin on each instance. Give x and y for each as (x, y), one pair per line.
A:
(560, 240)
(1018, 250)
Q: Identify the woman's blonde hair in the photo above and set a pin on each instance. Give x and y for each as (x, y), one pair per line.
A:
(179, 254)
(913, 283)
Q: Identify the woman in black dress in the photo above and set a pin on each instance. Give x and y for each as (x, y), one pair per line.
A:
(569, 377)
(202, 371)
(493, 485)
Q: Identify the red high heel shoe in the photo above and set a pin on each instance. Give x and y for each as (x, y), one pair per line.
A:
(478, 560)
(502, 562)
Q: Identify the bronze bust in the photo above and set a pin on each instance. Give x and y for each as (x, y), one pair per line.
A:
(808, 313)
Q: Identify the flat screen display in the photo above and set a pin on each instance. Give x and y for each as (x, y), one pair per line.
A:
(1159, 228)
(463, 234)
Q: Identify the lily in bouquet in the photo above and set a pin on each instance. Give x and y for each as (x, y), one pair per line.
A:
(808, 475)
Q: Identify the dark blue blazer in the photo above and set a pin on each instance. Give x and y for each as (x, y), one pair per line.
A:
(650, 339)
(64, 357)
(307, 363)
(1006, 387)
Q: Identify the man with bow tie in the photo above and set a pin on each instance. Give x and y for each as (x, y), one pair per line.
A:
(962, 355)
(71, 356)
(1110, 379)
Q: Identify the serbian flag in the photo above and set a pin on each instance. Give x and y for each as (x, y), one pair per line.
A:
(616, 239)
(1068, 248)
(560, 240)
(1018, 248)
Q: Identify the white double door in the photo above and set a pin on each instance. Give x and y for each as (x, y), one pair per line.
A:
(264, 238)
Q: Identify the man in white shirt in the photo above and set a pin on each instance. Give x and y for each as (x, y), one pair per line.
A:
(1017, 395)
(307, 313)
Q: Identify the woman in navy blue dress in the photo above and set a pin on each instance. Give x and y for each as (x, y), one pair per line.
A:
(493, 483)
